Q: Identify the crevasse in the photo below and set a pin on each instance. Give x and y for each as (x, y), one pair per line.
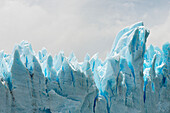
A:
(132, 79)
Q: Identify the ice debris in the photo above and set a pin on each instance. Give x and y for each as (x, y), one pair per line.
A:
(130, 80)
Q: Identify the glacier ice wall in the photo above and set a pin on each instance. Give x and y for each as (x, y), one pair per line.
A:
(132, 79)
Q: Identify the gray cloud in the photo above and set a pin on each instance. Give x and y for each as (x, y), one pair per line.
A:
(160, 33)
(79, 26)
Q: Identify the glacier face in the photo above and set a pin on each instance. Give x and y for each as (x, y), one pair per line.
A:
(132, 79)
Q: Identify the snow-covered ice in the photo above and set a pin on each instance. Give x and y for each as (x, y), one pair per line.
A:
(132, 79)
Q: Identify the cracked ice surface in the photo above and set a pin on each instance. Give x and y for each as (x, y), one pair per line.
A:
(132, 79)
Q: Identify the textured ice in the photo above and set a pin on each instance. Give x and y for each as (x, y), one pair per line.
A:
(132, 79)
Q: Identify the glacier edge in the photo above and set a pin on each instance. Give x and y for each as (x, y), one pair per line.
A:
(132, 79)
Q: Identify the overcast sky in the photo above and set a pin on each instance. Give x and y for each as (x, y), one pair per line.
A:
(82, 26)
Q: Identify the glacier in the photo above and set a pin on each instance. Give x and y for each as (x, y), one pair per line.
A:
(132, 78)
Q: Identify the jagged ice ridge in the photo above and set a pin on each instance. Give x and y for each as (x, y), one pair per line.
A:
(130, 80)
